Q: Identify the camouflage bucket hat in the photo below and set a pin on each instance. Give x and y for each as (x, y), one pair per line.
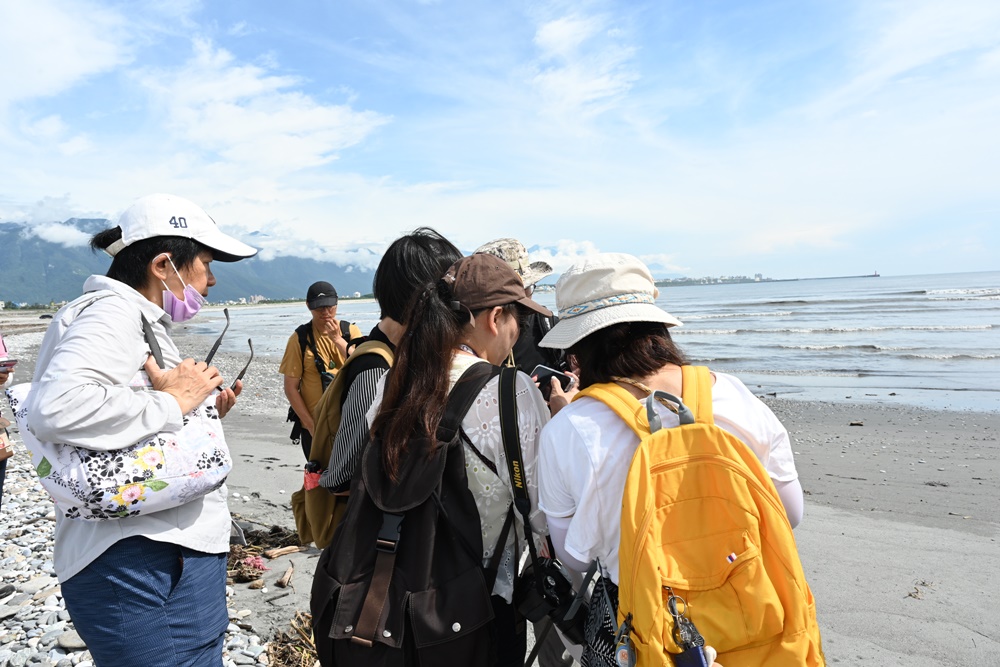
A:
(515, 254)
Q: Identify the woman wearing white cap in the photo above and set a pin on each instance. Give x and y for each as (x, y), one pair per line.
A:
(609, 322)
(147, 589)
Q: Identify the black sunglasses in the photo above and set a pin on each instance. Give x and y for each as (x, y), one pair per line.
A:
(244, 371)
(218, 342)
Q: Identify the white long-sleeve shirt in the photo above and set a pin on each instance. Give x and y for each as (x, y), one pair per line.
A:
(82, 397)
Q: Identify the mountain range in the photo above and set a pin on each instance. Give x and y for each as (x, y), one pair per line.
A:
(36, 270)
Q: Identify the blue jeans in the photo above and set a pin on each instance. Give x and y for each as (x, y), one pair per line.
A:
(151, 603)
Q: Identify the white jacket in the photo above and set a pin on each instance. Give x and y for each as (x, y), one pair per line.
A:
(82, 397)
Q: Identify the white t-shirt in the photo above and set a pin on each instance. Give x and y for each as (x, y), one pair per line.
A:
(586, 450)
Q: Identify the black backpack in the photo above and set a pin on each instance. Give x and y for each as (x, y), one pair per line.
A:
(402, 582)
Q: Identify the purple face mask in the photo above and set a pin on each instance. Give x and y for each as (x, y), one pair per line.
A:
(181, 311)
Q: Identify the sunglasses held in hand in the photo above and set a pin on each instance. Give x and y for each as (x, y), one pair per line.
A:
(244, 371)
(218, 342)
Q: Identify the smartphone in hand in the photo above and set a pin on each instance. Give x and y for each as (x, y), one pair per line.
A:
(543, 375)
(7, 365)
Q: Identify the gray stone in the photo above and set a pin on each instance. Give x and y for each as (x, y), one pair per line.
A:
(51, 636)
(71, 640)
(20, 659)
(6, 611)
(38, 584)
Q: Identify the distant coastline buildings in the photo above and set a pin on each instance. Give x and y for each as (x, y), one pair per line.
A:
(709, 280)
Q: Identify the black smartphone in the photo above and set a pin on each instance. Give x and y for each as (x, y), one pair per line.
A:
(543, 374)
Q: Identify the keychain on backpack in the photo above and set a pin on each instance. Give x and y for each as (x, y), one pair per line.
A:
(624, 650)
(685, 635)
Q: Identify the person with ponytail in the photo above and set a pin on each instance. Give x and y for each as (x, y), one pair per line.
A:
(472, 314)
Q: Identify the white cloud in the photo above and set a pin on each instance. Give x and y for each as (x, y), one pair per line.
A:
(918, 44)
(246, 115)
(562, 37)
(48, 46)
(240, 29)
(47, 210)
(583, 66)
(563, 254)
(76, 146)
(49, 127)
(54, 232)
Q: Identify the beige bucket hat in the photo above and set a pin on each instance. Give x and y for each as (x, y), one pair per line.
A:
(602, 290)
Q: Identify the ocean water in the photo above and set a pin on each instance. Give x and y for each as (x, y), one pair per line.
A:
(929, 340)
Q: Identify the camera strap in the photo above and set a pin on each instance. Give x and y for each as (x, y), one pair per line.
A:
(515, 463)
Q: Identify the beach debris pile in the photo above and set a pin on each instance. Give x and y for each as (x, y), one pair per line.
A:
(246, 563)
(270, 538)
(295, 648)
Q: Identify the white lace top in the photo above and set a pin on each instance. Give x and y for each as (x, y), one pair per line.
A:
(492, 492)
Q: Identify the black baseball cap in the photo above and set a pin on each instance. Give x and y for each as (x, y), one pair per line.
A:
(320, 295)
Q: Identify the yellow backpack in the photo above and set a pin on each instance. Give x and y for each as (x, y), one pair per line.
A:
(701, 516)
(315, 518)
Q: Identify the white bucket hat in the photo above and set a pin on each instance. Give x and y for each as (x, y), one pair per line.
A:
(602, 290)
(169, 215)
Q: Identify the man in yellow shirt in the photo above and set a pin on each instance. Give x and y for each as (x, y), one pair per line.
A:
(308, 368)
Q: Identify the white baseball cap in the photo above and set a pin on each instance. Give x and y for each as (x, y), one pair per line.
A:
(602, 290)
(169, 215)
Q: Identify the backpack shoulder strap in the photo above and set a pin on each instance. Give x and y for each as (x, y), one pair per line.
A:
(462, 396)
(154, 345)
(624, 404)
(511, 436)
(302, 332)
(345, 331)
(373, 347)
(697, 392)
(305, 334)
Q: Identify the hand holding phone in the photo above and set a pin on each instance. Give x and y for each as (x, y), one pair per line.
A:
(543, 375)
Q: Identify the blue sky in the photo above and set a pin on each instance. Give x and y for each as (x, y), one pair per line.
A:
(792, 138)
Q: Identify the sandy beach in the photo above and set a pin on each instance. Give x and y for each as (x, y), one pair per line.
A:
(899, 539)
